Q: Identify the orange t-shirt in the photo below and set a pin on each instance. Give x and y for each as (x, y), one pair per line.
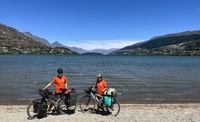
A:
(100, 86)
(59, 83)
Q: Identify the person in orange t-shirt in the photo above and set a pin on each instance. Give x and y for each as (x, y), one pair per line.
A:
(100, 85)
(60, 82)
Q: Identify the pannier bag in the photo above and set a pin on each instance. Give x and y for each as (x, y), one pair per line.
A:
(110, 91)
(72, 98)
(36, 106)
(40, 107)
(107, 101)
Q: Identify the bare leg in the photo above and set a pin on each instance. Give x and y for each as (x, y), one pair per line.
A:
(50, 106)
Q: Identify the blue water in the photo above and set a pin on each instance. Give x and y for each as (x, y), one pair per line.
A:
(138, 79)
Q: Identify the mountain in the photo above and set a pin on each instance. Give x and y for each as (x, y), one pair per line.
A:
(54, 44)
(82, 51)
(79, 50)
(14, 42)
(103, 51)
(57, 44)
(42, 40)
(184, 43)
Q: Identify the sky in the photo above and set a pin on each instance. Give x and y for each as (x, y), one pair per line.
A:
(105, 24)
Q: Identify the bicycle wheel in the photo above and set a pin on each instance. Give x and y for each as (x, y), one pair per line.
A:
(114, 109)
(87, 104)
(65, 108)
(32, 110)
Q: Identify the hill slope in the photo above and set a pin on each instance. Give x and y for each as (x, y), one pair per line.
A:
(15, 42)
(78, 50)
(184, 43)
(36, 38)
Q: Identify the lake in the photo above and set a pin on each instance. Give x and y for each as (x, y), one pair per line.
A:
(137, 79)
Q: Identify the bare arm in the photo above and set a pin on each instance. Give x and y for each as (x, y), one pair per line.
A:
(66, 86)
(47, 86)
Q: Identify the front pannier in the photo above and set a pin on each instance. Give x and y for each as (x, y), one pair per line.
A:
(107, 101)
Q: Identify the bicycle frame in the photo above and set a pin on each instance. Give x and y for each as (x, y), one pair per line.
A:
(94, 97)
(54, 103)
(89, 101)
(59, 103)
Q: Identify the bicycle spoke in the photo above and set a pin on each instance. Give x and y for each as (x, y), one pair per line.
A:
(114, 108)
(87, 104)
(62, 106)
(65, 108)
(31, 111)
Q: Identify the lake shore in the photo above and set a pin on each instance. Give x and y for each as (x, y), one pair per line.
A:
(177, 112)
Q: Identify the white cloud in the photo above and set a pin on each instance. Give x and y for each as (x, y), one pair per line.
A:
(102, 44)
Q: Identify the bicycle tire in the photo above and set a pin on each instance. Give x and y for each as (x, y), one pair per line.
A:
(30, 109)
(114, 109)
(64, 108)
(87, 104)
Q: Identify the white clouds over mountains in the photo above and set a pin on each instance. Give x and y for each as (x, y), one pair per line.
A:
(101, 44)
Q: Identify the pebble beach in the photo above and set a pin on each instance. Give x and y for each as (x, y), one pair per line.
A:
(185, 112)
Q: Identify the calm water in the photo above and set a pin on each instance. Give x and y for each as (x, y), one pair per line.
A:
(138, 79)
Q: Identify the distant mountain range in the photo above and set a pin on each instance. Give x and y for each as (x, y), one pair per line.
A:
(184, 43)
(79, 50)
(103, 51)
(44, 41)
(76, 49)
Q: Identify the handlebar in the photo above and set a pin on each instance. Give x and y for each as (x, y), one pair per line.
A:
(89, 90)
(44, 93)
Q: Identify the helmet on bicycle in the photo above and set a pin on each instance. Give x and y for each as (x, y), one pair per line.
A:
(99, 75)
(60, 70)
